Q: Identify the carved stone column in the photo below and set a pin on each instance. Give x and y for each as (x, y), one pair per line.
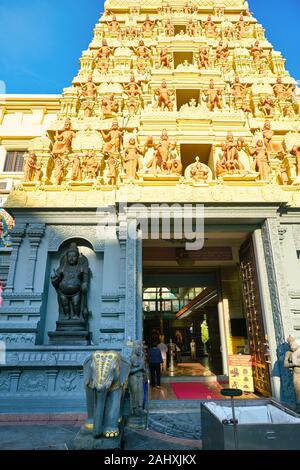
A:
(17, 234)
(277, 284)
(35, 233)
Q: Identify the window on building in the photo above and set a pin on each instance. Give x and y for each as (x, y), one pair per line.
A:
(14, 161)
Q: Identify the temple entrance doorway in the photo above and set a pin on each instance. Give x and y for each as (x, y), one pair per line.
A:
(205, 306)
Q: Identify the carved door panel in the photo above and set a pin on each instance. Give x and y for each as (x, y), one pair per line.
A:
(254, 318)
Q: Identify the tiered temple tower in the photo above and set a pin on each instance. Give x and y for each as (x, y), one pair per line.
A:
(185, 102)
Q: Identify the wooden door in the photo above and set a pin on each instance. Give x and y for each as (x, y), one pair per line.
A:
(254, 318)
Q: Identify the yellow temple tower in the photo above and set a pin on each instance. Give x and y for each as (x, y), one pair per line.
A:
(175, 105)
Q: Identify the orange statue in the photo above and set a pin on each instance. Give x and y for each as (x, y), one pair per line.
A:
(109, 106)
(238, 90)
(148, 25)
(169, 28)
(131, 159)
(199, 171)
(165, 59)
(203, 60)
(222, 52)
(296, 153)
(210, 27)
(267, 105)
(213, 97)
(113, 25)
(257, 52)
(59, 169)
(142, 51)
(164, 97)
(112, 139)
(89, 89)
(268, 136)
(132, 88)
(191, 28)
(91, 165)
(242, 27)
(104, 52)
(29, 166)
(262, 160)
(112, 167)
(63, 140)
(76, 168)
(282, 91)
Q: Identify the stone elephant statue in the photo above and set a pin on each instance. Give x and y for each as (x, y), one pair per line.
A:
(105, 379)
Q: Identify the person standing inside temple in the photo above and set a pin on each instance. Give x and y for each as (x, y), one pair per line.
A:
(155, 360)
(193, 349)
(163, 349)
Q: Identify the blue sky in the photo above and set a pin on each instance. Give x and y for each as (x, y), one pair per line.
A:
(42, 40)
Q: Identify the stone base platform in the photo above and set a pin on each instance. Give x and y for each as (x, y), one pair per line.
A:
(85, 441)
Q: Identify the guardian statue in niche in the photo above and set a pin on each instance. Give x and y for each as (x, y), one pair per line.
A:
(71, 281)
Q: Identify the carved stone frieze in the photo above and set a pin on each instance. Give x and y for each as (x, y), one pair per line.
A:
(58, 235)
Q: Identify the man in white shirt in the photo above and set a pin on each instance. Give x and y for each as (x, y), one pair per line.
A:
(163, 349)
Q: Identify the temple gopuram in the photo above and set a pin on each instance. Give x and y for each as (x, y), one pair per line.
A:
(181, 114)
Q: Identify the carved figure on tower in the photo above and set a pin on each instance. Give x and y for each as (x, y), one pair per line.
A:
(213, 97)
(169, 28)
(267, 106)
(63, 140)
(261, 160)
(112, 138)
(89, 89)
(210, 27)
(242, 27)
(91, 165)
(203, 58)
(199, 171)
(29, 166)
(142, 51)
(165, 58)
(257, 52)
(296, 153)
(222, 52)
(71, 282)
(283, 91)
(164, 97)
(148, 25)
(131, 158)
(109, 105)
(104, 52)
(191, 28)
(113, 25)
(112, 165)
(238, 89)
(76, 168)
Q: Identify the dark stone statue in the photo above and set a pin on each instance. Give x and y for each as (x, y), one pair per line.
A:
(137, 379)
(71, 281)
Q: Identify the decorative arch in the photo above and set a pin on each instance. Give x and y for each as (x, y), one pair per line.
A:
(59, 236)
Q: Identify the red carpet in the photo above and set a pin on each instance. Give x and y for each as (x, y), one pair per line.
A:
(194, 391)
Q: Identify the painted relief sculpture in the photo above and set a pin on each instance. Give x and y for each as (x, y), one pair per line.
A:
(137, 379)
(292, 361)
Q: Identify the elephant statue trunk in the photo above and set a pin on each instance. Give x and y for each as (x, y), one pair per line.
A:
(105, 376)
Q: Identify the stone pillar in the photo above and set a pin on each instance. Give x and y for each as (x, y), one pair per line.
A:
(35, 233)
(131, 281)
(279, 303)
(17, 234)
(52, 376)
(14, 380)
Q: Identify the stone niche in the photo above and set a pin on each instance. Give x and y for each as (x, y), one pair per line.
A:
(50, 312)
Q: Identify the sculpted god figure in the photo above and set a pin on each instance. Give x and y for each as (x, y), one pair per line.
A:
(169, 28)
(213, 97)
(199, 171)
(112, 139)
(89, 89)
(242, 27)
(164, 97)
(91, 165)
(104, 52)
(191, 28)
(148, 25)
(113, 25)
(142, 51)
(136, 379)
(210, 27)
(131, 159)
(165, 59)
(262, 160)
(203, 59)
(238, 89)
(282, 91)
(63, 140)
(267, 105)
(296, 153)
(222, 51)
(29, 166)
(71, 282)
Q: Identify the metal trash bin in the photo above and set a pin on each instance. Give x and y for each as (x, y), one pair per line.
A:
(261, 425)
